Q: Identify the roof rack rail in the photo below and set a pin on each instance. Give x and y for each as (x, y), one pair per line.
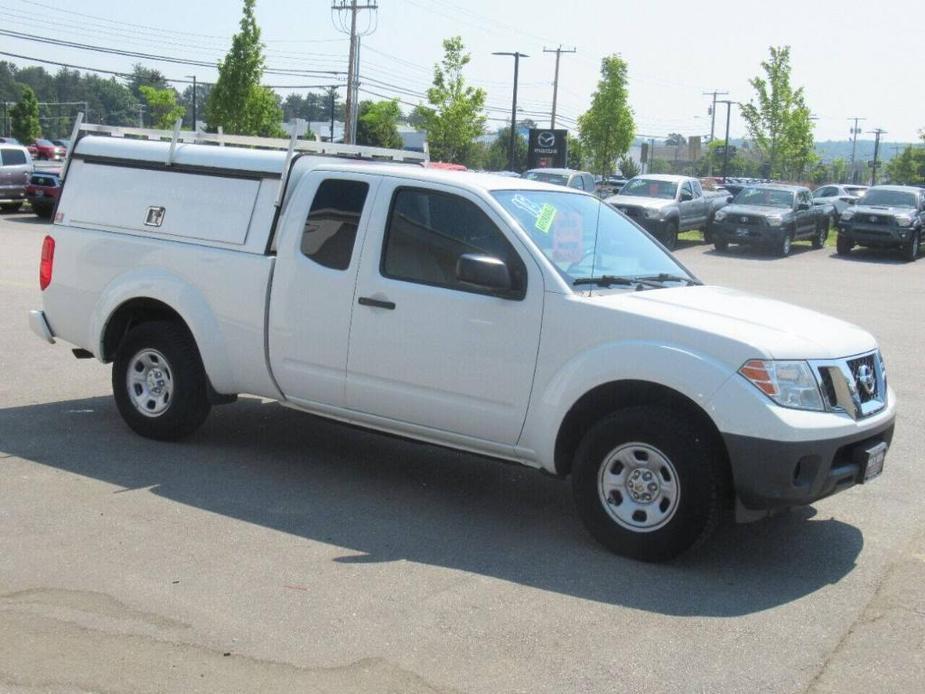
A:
(223, 139)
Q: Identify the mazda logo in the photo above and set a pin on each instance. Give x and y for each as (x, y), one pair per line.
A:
(873, 219)
(866, 379)
(744, 219)
(546, 140)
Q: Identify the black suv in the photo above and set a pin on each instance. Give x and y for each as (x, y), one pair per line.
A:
(773, 216)
(886, 217)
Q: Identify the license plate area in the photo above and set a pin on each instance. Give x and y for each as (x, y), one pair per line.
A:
(873, 458)
(741, 231)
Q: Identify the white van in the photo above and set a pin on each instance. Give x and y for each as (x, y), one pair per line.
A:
(514, 319)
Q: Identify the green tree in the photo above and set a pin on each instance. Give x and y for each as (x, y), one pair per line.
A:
(628, 167)
(377, 124)
(606, 129)
(778, 119)
(576, 158)
(145, 77)
(24, 117)
(163, 109)
(238, 103)
(454, 118)
(675, 140)
(839, 169)
(908, 168)
(497, 155)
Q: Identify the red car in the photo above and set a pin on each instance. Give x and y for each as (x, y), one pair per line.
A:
(43, 190)
(46, 149)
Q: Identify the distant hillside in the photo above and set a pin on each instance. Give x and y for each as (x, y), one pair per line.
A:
(833, 149)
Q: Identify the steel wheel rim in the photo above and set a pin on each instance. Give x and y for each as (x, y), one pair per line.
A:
(786, 245)
(150, 382)
(638, 487)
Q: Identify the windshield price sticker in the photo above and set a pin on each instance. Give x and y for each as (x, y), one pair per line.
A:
(545, 219)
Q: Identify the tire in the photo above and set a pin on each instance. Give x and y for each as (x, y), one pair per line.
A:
(707, 234)
(822, 233)
(785, 245)
(721, 245)
(691, 482)
(843, 245)
(912, 249)
(671, 238)
(167, 398)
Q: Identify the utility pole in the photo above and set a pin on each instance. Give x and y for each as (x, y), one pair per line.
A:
(555, 84)
(726, 147)
(873, 175)
(714, 94)
(333, 98)
(194, 101)
(353, 68)
(855, 130)
(517, 56)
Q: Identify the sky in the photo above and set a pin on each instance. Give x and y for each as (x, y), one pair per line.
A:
(853, 58)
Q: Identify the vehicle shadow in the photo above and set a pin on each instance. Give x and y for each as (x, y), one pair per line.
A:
(882, 256)
(384, 499)
(748, 252)
(27, 217)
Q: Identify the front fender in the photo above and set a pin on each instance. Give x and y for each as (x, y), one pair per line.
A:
(182, 297)
(695, 375)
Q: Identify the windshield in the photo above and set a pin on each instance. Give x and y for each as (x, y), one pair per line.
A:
(888, 198)
(546, 177)
(584, 237)
(650, 188)
(765, 197)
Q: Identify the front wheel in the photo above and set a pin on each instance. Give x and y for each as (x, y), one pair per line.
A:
(720, 244)
(648, 483)
(843, 245)
(671, 236)
(913, 247)
(784, 245)
(158, 381)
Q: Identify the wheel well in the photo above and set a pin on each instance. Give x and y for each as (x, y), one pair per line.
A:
(609, 397)
(128, 315)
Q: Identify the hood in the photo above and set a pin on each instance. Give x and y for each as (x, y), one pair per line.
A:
(884, 209)
(634, 201)
(749, 326)
(764, 211)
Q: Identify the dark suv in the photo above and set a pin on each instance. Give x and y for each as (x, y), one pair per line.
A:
(886, 217)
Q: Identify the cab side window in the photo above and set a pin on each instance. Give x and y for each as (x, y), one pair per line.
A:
(429, 230)
(331, 227)
(12, 157)
(698, 190)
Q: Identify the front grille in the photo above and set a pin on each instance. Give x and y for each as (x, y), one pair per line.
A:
(633, 212)
(876, 218)
(864, 370)
(745, 219)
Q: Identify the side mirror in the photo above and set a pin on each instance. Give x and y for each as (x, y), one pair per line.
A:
(728, 198)
(803, 206)
(686, 195)
(483, 271)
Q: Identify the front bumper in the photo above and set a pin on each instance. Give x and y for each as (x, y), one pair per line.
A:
(875, 234)
(746, 234)
(771, 475)
(39, 325)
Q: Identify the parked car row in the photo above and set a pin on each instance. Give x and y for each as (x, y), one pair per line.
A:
(20, 182)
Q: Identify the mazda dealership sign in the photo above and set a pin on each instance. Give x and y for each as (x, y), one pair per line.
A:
(547, 149)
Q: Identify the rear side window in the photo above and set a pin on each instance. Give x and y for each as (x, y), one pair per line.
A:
(331, 227)
(13, 157)
(428, 232)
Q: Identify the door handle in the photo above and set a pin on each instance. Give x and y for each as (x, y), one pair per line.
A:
(376, 303)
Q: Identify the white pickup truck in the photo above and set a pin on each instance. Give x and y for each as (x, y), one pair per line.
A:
(513, 319)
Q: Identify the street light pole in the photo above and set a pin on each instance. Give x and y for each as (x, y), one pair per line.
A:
(194, 101)
(726, 147)
(517, 56)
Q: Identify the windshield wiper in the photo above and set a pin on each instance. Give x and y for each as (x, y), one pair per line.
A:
(666, 277)
(611, 280)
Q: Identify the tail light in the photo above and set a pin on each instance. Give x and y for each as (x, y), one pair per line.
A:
(48, 261)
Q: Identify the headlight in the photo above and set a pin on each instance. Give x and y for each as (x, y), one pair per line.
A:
(905, 221)
(652, 214)
(788, 383)
(847, 214)
(775, 221)
(719, 216)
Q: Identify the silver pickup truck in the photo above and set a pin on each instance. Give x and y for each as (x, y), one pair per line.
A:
(667, 205)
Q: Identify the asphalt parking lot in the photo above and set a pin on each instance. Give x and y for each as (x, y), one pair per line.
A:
(273, 551)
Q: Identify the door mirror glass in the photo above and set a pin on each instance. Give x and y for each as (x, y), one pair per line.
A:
(483, 271)
(686, 195)
(803, 206)
(728, 198)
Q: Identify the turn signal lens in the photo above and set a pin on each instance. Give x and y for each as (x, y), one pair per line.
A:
(47, 264)
(788, 383)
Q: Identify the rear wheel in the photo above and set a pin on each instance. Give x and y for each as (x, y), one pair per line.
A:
(912, 247)
(158, 381)
(720, 244)
(843, 245)
(648, 484)
(822, 233)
